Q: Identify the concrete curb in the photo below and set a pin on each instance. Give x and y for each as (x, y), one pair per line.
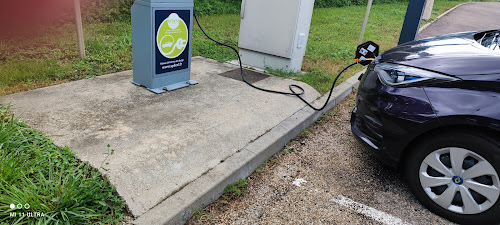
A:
(443, 14)
(178, 208)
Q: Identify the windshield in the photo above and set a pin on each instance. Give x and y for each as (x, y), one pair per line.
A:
(489, 39)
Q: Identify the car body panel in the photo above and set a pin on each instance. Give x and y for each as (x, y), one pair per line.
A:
(389, 119)
(472, 102)
(456, 54)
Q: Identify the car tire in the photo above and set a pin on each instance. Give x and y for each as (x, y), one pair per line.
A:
(433, 190)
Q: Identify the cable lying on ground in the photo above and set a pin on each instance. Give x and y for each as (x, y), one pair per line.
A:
(292, 87)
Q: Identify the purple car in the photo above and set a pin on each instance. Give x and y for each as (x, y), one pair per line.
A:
(432, 108)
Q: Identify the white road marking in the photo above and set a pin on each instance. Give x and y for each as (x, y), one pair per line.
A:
(368, 211)
(298, 182)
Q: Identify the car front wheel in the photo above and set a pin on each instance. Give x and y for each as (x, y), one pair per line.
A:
(455, 175)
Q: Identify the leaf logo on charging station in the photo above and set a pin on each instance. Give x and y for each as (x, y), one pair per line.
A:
(172, 36)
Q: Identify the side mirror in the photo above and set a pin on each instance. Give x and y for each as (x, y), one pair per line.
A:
(366, 52)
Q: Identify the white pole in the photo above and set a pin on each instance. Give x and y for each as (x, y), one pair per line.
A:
(367, 13)
(79, 29)
(428, 9)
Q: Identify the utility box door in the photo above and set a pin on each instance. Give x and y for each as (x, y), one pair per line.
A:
(269, 26)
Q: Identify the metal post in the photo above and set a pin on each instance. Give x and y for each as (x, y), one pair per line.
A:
(79, 28)
(412, 21)
(428, 9)
(367, 13)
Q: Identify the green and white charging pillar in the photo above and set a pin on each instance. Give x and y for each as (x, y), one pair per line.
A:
(161, 44)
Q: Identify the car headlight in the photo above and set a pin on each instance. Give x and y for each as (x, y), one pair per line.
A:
(403, 76)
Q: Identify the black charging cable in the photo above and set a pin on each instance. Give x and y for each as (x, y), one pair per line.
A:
(291, 86)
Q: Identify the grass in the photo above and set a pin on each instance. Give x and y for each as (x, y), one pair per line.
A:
(231, 191)
(51, 180)
(52, 58)
(237, 188)
(201, 215)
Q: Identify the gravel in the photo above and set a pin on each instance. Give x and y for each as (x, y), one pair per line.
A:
(333, 164)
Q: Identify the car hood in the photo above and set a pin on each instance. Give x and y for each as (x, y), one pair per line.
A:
(452, 54)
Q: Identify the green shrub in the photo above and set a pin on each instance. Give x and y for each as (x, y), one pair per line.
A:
(106, 10)
(341, 3)
(119, 10)
(212, 7)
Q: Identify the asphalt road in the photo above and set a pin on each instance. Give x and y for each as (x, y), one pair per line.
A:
(341, 183)
(466, 17)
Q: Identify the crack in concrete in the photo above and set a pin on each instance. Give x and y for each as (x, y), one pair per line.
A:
(222, 161)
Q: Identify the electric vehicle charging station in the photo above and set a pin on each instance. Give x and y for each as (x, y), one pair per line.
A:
(273, 33)
(161, 44)
(162, 35)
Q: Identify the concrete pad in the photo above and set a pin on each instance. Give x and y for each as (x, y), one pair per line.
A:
(465, 17)
(162, 142)
(178, 208)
